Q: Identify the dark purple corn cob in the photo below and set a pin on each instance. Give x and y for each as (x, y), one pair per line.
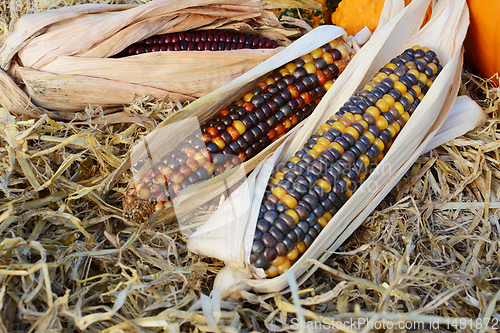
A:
(209, 40)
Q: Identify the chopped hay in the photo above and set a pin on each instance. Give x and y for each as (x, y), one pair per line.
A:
(427, 256)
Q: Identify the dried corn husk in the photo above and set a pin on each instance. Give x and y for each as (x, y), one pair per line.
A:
(228, 234)
(61, 57)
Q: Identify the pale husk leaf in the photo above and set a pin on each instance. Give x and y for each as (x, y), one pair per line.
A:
(197, 72)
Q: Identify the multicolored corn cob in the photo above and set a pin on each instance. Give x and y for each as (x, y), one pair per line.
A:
(243, 129)
(209, 40)
(314, 184)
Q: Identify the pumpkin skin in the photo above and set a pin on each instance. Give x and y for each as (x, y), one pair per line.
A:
(314, 18)
(354, 15)
(482, 44)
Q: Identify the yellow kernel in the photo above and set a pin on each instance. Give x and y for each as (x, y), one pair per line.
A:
(292, 255)
(335, 117)
(362, 176)
(319, 132)
(324, 142)
(364, 158)
(278, 261)
(400, 107)
(349, 193)
(293, 214)
(248, 97)
(279, 192)
(358, 117)
(411, 65)
(409, 97)
(319, 148)
(323, 221)
(369, 135)
(391, 66)
(313, 153)
(349, 116)
(373, 111)
(333, 43)
(382, 75)
(405, 116)
(392, 130)
(389, 99)
(394, 77)
(337, 147)
(396, 126)
(364, 123)
(433, 66)
(307, 58)
(328, 215)
(310, 68)
(317, 53)
(295, 159)
(289, 201)
(338, 125)
(382, 123)
(380, 144)
(347, 181)
(368, 87)
(328, 85)
(270, 80)
(354, 132)
(327, 56)
(377, 79)
(382, 105)
(423, 78)
(284, 71)
(274, 181)
(414, 72)
(325, 127)
(417, 89)
(416, 47)
(324, 185)
(291, 67)
(301, 247)
(398, 85)
(379, 158)
(279, 175)
(284, 267)
(240, 127)
(272, 271)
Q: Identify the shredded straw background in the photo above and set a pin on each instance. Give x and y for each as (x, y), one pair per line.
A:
(428, 255)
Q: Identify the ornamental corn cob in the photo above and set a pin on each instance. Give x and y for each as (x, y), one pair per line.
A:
(315, 183)
(211, 40)
(241, 130)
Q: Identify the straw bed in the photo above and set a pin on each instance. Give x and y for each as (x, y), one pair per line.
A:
(69, 262)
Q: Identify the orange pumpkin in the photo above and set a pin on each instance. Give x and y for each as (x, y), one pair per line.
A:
(482, 44)
(354, 15)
